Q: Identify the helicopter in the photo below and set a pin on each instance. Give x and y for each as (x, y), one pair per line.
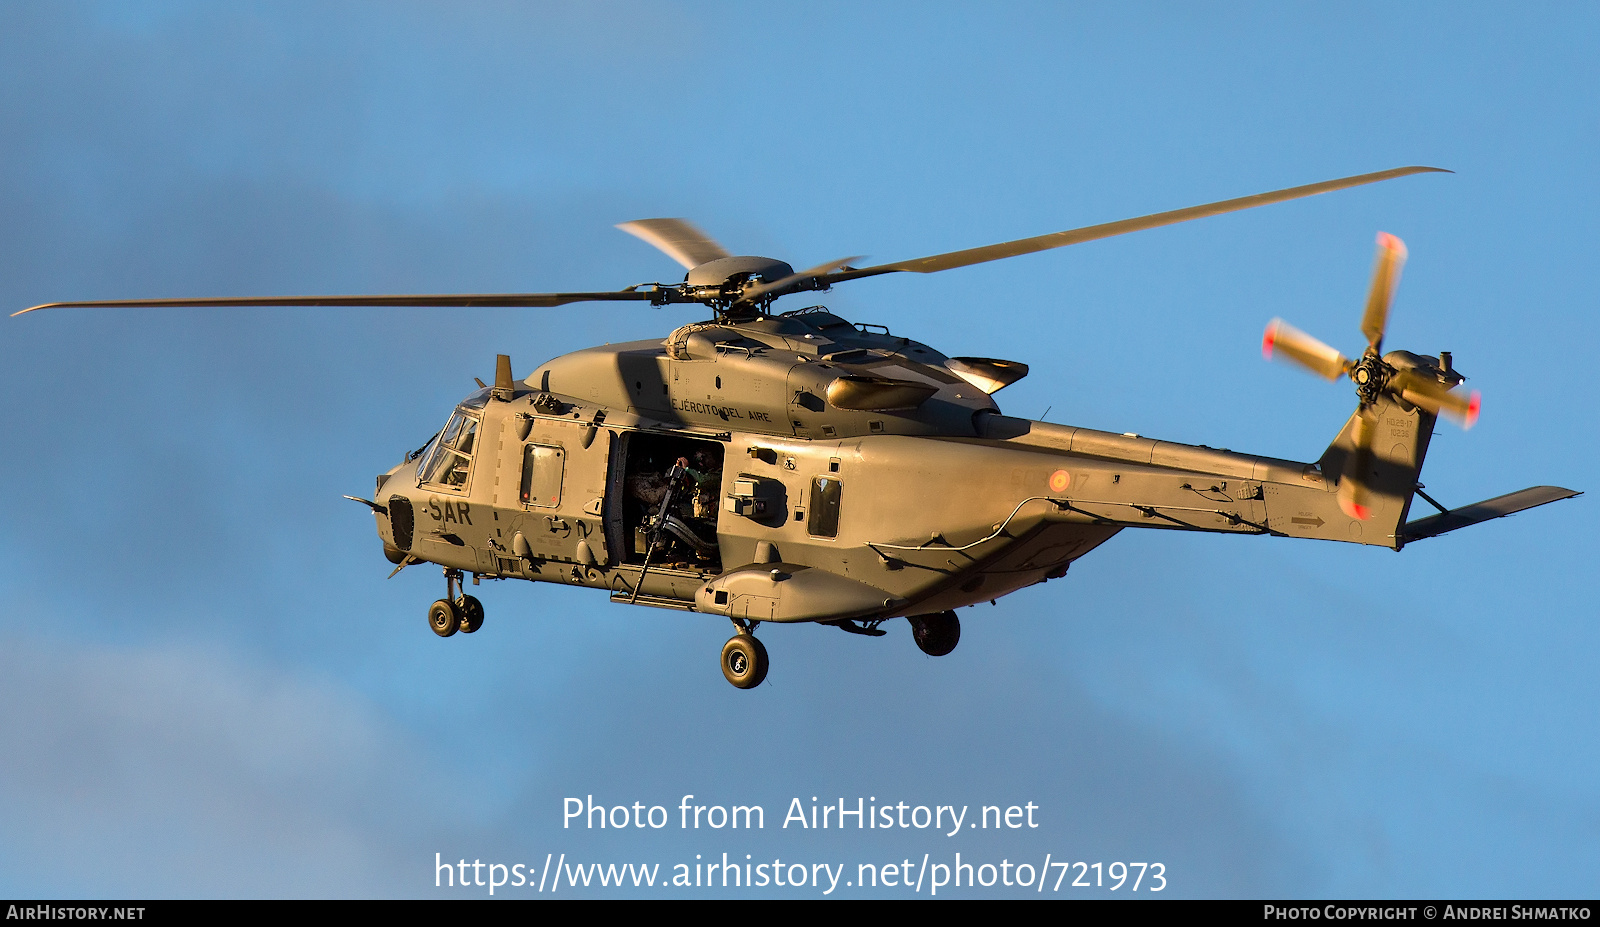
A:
(792, 467)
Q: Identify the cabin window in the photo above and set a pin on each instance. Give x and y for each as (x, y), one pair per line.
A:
(542, 468)
(824, 521)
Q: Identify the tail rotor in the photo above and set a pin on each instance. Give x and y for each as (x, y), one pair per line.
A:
(1425, 382)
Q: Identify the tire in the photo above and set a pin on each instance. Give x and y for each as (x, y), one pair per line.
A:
(471, 611)
(444, 617)
(744, 661)
(937, 634)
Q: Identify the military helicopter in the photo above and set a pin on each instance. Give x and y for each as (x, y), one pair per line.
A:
(798, 467)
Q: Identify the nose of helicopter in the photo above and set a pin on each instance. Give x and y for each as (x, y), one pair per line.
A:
(394, 514)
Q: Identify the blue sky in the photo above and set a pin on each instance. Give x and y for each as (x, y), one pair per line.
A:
(210, 689)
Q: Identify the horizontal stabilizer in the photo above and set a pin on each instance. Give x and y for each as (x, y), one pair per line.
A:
(1499, 506)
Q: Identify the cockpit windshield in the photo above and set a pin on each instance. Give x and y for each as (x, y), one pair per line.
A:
(476, 401)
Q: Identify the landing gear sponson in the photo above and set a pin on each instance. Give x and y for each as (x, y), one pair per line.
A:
(744, 659)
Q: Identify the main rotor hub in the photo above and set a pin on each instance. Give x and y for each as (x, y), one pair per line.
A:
(747, 267)
(723, 284)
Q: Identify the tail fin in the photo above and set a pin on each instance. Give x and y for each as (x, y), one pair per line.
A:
(1398, 449)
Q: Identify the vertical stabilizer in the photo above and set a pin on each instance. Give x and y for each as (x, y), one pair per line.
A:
(1401, 433)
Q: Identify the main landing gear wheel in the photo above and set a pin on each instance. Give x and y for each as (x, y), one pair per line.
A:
(744, 661)
(471, 611)
(936, 635)
(444, 618)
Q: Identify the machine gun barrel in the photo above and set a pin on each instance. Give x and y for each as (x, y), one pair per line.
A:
(653, 537)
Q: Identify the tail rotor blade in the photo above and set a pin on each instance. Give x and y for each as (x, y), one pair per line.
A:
(1353, 494)
(1385, 278)
(1284, 340)
(1437, 398)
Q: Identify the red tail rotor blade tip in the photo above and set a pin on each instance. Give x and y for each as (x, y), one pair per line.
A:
(1355, 510)
(1268, 339)
(1473, 406)
(1391, 243)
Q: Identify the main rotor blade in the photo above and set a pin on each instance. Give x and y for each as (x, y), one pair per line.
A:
(1385, 278)
(795, 282)
(1437, 398)
(449, 300)
(678, 238)
(1284, 340)
(953, 259)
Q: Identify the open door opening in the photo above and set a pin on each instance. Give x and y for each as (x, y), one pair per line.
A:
(689, 534)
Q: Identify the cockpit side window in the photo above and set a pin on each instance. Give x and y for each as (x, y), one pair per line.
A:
(452, 430)
(450, 464)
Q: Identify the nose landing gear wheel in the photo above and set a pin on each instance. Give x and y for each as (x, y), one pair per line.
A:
(444, 618)
(471, 611)
(744, 661)
(936, 635)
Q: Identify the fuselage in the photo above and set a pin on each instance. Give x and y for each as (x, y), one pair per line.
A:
(830, 472)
